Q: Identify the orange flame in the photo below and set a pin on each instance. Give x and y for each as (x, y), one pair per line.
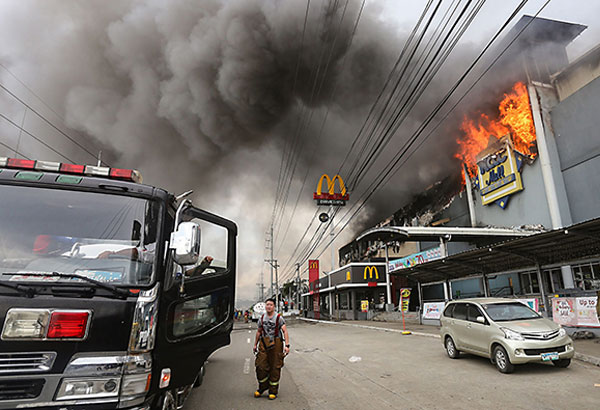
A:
(514, 117)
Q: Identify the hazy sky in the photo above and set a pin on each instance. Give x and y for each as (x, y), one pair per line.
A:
(198, 94)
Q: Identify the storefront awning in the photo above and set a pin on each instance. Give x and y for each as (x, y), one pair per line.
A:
(433, 234)
(564, 246)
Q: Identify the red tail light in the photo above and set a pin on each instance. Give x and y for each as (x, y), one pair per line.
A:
(71, 325)
(72, 168)
(20, 163)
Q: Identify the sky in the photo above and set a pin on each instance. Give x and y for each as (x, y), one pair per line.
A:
(205, 95)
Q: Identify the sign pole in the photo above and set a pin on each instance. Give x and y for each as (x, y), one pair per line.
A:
(388, 285)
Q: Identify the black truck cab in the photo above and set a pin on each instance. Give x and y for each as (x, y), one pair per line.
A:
(108, 297)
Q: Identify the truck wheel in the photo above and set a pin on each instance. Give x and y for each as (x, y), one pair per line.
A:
(562, 363)
(168, 401)
(502, 360)
(453, 353)
(199, 378)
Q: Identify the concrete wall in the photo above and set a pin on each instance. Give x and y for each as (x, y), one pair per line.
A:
(527, 207)
(578, 74)
(577, 131)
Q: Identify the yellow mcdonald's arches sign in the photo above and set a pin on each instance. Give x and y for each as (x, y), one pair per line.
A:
(314, 264)
(331, 197)
(370, 270)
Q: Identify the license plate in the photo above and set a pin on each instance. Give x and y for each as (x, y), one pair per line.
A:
(549, 356)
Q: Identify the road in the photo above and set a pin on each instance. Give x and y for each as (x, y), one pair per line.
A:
(394, 371)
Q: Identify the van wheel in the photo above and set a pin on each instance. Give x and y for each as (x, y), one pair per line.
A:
(562, 363)
(453, 353)
(502, 360)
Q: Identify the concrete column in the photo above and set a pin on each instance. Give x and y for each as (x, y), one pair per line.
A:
(420, 289)
(353, 303)
(447, 291)
(542, 290)
(554, 185)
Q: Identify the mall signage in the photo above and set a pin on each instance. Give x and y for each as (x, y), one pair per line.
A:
(499, 173)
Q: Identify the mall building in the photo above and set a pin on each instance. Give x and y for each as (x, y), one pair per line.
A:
(524, 222)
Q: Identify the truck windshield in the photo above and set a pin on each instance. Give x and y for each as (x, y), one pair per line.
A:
(504, 312)
(109, 238)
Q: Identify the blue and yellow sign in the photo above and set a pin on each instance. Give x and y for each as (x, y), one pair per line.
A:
(499, 176)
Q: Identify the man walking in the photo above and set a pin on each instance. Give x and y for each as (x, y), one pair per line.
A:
(271, 345)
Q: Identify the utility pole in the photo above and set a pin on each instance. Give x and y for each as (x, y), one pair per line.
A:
(271, 263)
(298, 286)
(274, 267)
(332, 236)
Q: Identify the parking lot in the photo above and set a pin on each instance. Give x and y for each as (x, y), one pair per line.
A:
(344, 367)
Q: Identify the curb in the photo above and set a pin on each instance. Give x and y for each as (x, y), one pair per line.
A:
(382, 329)
(578, 356)
(588, 359)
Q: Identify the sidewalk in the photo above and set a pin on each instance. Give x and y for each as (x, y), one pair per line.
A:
(586, 350)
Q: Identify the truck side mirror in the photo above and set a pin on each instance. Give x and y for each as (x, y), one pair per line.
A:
(185, 241)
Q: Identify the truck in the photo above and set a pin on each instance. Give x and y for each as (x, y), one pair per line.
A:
(109, 299)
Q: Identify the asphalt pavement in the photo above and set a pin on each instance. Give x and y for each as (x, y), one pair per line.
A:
(344, 367)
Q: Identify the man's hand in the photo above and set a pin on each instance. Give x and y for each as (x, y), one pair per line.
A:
(255, 350)
(286, 350)
(207, 259)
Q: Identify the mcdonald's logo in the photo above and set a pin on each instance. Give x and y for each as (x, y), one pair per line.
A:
(314, 264)
(331, 194)
(370, 270)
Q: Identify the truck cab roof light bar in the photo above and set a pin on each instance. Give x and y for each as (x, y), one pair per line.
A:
(105, 172)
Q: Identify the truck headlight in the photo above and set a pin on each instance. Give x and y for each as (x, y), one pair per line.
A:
(136, 384)
(88, 388)
(511, 334)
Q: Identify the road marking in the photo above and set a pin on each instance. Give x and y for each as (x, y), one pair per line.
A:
(247, 366)
(248, 340)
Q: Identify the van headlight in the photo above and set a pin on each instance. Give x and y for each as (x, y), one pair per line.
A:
(511, 334)
(562, 332)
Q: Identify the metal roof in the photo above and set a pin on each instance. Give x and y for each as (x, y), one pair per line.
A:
(428, 233)
(553, 248)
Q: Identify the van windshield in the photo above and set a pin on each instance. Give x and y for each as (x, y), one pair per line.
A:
(109, 238)
(504, 312)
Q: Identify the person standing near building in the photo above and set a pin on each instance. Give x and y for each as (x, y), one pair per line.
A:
(271, 345)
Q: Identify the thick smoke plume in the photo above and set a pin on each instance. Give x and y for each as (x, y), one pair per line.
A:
(204, 94)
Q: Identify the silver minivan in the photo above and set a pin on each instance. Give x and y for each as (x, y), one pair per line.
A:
(504, 330)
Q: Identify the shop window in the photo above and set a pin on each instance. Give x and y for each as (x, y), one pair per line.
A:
(467, 288)
(344, 301)
(587, 276)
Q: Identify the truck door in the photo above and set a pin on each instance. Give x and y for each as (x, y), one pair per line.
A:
(197, 319)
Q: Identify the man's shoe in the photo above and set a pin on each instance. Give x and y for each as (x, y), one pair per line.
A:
(257, 394)
(272, 396)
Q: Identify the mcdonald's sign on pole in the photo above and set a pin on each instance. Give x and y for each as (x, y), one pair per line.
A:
(331, 197)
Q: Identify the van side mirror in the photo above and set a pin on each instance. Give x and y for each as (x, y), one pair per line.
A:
(480, 319)
(185, 242)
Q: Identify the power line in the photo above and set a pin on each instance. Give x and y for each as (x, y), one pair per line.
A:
(318, 138)
(47, 121)
(13, 150)
(439, 106)
(35, 138)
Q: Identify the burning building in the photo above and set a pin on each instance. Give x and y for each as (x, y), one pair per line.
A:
(531, 160)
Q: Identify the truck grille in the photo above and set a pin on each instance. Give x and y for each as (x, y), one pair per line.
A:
(26, 362)
(20, 389)
(537, 352)
(541, 335)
